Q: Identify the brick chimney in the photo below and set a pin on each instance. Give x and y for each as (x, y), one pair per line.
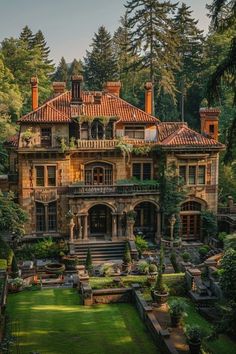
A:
(210, 122)
(76, 85)
(148, 97)
(97, 97)
(113, 87)
(34, 92)
(58, 88)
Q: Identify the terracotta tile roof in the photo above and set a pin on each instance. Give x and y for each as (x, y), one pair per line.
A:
(184, 136)
(12, 141)
(59, 110)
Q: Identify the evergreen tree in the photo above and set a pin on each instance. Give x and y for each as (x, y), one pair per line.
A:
(190, 52)
(76, 68)
(40, 42)
(61, 73)
(27, 36)
(153, 39)
(100, 63)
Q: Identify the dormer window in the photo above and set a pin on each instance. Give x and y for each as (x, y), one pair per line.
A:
(46, 137)
(134, 132)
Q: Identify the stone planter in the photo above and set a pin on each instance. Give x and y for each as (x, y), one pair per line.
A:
(159, 298)
(54, 268)
(194, 348)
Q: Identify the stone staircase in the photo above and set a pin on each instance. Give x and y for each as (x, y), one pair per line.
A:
(102, 251)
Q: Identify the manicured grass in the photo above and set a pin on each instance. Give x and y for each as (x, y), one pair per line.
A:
(222, 345)
(53, 322)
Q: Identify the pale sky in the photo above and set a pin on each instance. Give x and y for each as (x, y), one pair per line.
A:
(69, 25)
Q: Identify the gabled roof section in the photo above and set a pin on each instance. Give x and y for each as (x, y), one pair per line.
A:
(183, 136)
(60, 110)
(12, 141)
(45, 114)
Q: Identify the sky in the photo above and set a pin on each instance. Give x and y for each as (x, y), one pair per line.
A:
(69, 25)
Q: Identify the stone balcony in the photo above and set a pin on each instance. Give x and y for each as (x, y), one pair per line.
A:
(113, 190)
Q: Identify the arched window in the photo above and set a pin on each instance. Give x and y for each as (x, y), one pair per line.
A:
(191, 205)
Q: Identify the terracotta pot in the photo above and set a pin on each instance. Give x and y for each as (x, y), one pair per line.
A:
(194, 348)
(159, 298)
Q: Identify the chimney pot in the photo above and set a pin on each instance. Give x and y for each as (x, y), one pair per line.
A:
(113, 87)
(210, 122)
(34, 92)
(97, 97)
(76, 84)
(58, 88)
(148, 97)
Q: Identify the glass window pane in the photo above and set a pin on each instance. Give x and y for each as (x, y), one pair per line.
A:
(146, 171)
(137, 170)
(46, 137)
(201, 175)
(39, 176)
(192, 175)
(182, 172)
(52, 217)
(40, 217)
(51, 175)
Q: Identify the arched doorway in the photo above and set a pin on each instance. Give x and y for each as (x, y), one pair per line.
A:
(146, 220)
(100, 221)
(191, 220)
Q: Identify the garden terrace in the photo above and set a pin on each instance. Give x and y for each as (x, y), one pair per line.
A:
(125, 189)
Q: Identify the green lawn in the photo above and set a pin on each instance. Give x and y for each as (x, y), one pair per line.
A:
(53, 321)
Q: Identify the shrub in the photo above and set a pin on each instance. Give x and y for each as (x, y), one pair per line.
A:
(152, 268)
(221, 236)
(193, 333)
(70, 263)
(160, 286)
(89, 262)
(127, 256)
(230, 241)
(228, 274)
(174, 262)
(186, 256)
(14, 267)
(203, 250)
(209, 223)
(141, 244)
(3, 264)
(143, 267)
(6, 252)
(107, 269)
(177, 308)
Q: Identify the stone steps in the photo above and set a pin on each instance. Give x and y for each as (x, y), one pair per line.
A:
(101, 251)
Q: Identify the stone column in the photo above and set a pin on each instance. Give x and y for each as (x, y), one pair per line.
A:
(114, 226)
(85, 227)
(119, 225)
(71, 226)
(80, 227)
(130, 224)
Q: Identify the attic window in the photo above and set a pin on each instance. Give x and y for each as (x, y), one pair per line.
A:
(134, 132)
(46, 137)
(211, 128)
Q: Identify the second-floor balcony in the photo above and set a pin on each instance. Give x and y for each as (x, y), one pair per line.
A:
(113, 190)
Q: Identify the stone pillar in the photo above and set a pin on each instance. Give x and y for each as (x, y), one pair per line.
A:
(80, 227)
(119, 225)
(114, 226)
(85, 227)
(130, 225)
(72, 225)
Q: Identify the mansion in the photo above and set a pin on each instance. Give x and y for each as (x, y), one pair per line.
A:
(85, 165)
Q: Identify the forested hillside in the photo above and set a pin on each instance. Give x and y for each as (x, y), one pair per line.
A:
(156, 41)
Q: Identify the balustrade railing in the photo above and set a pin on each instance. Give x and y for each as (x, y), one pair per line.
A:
(114, 189)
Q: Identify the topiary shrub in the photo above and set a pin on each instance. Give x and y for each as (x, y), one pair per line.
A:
(89, 262)
(174, 262)
(186, 257)
(14, 267)
(203, 250)
(141, 244)
(127, 256)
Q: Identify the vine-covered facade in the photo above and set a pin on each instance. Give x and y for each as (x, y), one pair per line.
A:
(87, 166)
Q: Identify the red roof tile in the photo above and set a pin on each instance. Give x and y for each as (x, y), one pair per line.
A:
(12, 141)
(59, 110)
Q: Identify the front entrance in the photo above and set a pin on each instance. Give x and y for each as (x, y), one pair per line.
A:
(191, 220)
(100, 220)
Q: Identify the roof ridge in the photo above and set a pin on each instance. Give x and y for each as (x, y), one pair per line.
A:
(131, 105)
(173, 134)
(56, 110)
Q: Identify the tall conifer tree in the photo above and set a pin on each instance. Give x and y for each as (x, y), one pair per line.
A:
(61, 73)
(100, 63)
(153, 39)
(190, 51)
(27, 36)
(76, 68)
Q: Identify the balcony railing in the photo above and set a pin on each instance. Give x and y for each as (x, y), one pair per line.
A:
(129, 189)
(108, 144)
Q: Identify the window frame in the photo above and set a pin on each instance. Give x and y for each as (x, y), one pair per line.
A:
(142, 163)
(46, 138)
(45, 175)
(45, 217)
(186, 177)
(134, 129)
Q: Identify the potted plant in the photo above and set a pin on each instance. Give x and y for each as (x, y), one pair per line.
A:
(160, 291)
(27, 135)
(127, 260)
(152, 272)
(15, 285)
(143, 267)
(194, 338)
(177, 310)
